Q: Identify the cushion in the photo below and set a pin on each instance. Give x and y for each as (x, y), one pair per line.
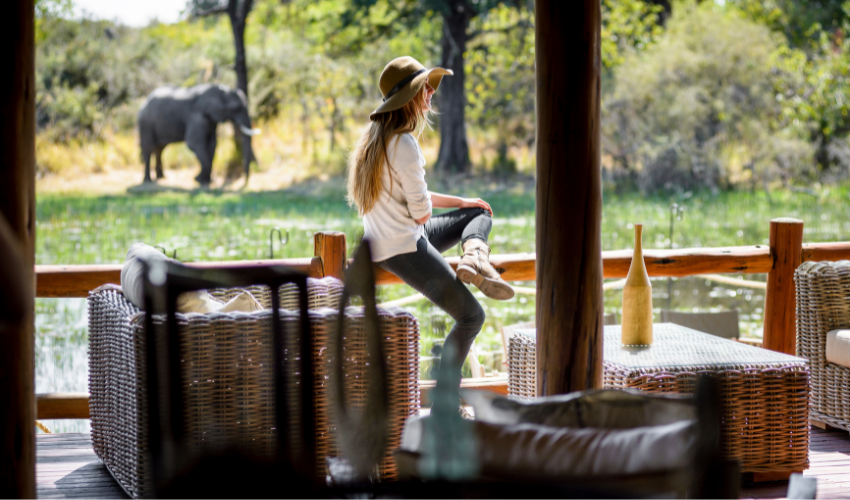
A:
(133, 286)
(525, 451)
(530, 450)
(838, 347)
(132, 279)
(202, 302)
(722, 324)
(606, 408)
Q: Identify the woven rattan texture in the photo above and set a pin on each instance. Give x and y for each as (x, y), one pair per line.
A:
(766, 404)
(228, 376)
(823, 304)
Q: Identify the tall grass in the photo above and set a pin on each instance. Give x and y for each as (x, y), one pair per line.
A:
(297, 148)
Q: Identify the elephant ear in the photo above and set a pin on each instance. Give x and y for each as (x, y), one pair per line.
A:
(213, 103)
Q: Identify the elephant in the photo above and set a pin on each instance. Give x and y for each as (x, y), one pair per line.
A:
(174, 114)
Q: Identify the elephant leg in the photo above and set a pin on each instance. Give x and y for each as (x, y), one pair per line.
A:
(159, 174)
(196, 140)
(146, 157)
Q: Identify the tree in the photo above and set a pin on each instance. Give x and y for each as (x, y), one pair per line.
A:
(237, 11)
(371, 20)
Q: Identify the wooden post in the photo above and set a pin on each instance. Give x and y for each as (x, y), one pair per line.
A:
(330, 247)
(786, 248)
(569, 196)
(17, 251)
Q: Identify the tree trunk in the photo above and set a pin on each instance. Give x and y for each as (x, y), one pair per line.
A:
(569, 196)
(17, 252)
(454, 149)
(237, 11)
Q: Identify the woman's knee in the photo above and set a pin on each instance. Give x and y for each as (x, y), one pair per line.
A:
(473, 212)
(481, 211)
(474, 317)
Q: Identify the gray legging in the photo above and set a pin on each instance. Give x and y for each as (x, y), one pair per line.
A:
(427, 272)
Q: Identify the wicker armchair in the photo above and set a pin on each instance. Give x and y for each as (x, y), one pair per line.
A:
(228, 359)
(823, 305)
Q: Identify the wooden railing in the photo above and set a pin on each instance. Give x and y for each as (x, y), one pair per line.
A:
(778, 260)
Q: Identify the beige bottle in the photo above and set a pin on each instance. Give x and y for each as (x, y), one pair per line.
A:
(637, 299)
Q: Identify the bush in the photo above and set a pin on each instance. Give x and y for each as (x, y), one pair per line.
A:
(698, 108)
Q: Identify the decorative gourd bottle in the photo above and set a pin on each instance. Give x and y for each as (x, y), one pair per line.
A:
(637, 298)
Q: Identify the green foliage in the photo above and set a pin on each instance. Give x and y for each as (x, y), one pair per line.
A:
(500, 81)
(699, 107)
(799, 20)
(45, 10)
(711, 98)
(813, 87)
(627, 25)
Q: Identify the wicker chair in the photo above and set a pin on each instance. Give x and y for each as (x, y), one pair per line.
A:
(723, 323)
(234, 406)
(823, 305)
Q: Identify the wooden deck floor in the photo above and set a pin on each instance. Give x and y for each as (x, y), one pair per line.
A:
(66, 467)
(829, 462)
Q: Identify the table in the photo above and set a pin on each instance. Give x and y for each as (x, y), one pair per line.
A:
(765, 394)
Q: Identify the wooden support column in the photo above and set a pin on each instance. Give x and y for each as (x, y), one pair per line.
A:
(786, 248)
(569, 196)
(17, 251)
(330, 246)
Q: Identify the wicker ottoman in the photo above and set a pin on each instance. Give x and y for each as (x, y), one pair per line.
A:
(765, 394)
(228, 379)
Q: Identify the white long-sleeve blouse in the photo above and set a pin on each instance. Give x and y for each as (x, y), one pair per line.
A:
(391, 226)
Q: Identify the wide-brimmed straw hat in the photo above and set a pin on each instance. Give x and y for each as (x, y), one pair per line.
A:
(402, 79)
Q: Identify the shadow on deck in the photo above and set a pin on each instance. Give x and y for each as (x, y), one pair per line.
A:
(66, 467)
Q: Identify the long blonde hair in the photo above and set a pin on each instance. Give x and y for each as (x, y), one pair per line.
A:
(367, 161)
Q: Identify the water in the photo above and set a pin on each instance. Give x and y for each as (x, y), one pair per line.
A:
(61, 353)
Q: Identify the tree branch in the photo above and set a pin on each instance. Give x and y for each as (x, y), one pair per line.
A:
(212, 11)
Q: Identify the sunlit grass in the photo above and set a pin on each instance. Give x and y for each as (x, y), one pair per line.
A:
(287, 144)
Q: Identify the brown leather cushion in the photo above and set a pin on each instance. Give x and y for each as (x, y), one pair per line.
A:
(583, 434)
(605, 409)
(528, 450)
(523, 451)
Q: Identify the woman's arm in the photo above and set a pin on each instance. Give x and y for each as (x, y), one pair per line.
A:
(447, 201)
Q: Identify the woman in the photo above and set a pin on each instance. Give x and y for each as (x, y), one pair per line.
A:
(386, 183)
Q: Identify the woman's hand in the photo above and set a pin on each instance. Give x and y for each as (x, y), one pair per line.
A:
(447, 201)
(475, 203)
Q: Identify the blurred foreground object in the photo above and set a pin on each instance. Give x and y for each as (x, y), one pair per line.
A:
(574, 444)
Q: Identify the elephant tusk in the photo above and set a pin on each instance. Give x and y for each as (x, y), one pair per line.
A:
(249, 131)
